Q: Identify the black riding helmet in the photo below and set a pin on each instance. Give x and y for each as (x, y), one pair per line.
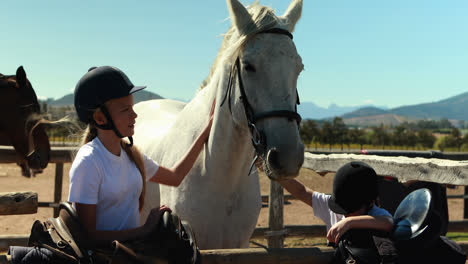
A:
(354, 185)
(97, 86)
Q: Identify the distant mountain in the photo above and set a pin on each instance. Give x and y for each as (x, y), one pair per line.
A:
(63, 101)
(376, 120)
(452, 108)
(309, 110)
(365, 111)
(69, 98)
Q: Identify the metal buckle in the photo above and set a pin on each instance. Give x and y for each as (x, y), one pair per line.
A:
(256, 136)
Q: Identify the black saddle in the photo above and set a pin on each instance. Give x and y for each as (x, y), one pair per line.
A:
(416, 238)
(64, 236)
(172, 242)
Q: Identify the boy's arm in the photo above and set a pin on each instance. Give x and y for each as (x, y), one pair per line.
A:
(381, 223)
(298, 190)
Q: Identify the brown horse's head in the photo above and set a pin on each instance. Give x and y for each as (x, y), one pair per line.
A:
(20, 122)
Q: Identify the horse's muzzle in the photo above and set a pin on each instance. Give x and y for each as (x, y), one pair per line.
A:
(282, 165)
(35, 162)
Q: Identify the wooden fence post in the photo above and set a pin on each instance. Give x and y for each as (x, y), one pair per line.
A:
(16, 203)
(276, 232)
(58, 186)
(465, 204)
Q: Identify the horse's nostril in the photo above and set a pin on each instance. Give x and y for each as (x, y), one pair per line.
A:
(273, 158)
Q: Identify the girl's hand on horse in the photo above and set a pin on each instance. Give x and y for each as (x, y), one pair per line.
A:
(154, 217)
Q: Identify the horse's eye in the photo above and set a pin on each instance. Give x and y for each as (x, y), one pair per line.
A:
(249, 67)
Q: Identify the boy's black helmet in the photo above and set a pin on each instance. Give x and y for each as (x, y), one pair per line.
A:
(99, 85)
(354, 185)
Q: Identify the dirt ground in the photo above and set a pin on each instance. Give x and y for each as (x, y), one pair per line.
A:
(295, 213)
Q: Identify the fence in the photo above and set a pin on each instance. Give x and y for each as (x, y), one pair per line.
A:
(59, 156)
(275, 233)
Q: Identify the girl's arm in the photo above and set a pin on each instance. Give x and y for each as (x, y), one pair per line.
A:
(381, 223)
(87, 215)
(174, 176)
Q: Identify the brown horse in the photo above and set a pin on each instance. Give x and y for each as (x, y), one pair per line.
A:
(21, 123)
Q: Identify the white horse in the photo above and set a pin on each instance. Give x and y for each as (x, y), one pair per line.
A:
(254, 82)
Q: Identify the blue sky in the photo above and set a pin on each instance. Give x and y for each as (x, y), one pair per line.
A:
(386, 53)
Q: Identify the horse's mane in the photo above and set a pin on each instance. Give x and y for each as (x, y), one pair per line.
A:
(263, 17)
(5, 80)
(5, 77)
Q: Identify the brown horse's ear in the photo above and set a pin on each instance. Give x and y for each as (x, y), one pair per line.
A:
(21, 76)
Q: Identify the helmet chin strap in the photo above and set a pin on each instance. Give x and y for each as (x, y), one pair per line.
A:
(110, 125)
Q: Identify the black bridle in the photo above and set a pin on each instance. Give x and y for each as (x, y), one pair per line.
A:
(258, 137)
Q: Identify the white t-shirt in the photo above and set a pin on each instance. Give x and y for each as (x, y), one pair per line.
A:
(113, 183)
(322, 211)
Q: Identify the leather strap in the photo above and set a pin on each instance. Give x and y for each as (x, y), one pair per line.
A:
(60, 234)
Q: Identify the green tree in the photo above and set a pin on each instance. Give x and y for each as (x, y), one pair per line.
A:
(426, 139)
(339, 131)
(441, 143)
(400, 135)
(456, 138)
(309, 132)
(445, 123)
(380, 136)
(357, 136)
(326, 134)
(465, 141)
(412, 139)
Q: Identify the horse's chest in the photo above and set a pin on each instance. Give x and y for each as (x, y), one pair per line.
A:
(234, 204)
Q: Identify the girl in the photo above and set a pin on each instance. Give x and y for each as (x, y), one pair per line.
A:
(107, 177)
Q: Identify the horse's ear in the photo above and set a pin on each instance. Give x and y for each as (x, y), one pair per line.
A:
(21, 76)
(292, 14)
(240, 17)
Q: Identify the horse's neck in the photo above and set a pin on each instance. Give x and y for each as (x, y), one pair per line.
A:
(230, 147)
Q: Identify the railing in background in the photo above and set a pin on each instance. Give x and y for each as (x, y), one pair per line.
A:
(59, 156)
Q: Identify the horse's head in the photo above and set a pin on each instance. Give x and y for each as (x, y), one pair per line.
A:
(263, 83)
(39, 147)
(20, 122)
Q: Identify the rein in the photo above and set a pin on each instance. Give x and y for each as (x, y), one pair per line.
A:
(259, 139)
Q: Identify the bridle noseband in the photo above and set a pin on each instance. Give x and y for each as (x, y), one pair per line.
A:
(258, 137)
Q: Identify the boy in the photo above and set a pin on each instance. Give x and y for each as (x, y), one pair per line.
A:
(351, 204)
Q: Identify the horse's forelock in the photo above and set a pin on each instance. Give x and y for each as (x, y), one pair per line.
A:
(263, 17)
